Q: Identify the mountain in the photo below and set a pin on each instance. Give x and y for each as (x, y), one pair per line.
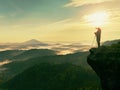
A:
(22, 46)
(33, 53)
(105, 61)
(4, 55)
(34, 42)
(18, 66)
(26, 61)
(18, 60)
(53, 77)
(24, 54)
(109, 43)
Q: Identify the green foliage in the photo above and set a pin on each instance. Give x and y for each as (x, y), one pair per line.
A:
(116, 46)
(9, 54)
(53, 77)
(19, 66)
(34, 53)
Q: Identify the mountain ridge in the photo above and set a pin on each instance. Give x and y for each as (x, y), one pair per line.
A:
(105, 61)
(33, 41)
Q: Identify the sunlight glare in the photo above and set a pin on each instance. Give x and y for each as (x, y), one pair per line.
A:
(97, 19)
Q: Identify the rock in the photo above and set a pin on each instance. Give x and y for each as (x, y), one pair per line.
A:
(105, 61)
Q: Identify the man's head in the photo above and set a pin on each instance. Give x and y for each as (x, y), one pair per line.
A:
(98, 28)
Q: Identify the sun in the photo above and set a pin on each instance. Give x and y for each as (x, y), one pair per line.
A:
(97, 19)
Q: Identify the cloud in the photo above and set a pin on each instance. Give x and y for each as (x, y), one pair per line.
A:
(61, 21)
(76, 3)
(114, 13)
(5, 62)
(60, 48)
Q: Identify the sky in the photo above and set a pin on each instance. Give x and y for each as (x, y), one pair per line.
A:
(56, 20)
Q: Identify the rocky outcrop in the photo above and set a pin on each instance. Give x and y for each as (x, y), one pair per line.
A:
(105, 61)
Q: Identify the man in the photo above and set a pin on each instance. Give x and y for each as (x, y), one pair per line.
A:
(98, 36)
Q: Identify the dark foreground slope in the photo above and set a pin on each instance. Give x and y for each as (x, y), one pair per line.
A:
(53, 77)
(17, 67)
(106, 63)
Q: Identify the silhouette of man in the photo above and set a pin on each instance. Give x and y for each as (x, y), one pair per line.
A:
(98, 36)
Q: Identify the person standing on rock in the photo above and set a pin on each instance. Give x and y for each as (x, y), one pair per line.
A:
(98, 36)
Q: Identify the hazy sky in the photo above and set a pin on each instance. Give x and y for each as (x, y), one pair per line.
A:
(56, 20)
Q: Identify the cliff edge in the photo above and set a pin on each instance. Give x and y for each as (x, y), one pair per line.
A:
(105, 61)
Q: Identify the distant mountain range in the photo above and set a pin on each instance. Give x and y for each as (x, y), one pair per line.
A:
(5, 55)
(20, 55)
(32, 53)
(33, 42)
(24, 45)
(28, 58)
(61, 48)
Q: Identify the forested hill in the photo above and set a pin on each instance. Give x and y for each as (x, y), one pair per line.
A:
(53, 77)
